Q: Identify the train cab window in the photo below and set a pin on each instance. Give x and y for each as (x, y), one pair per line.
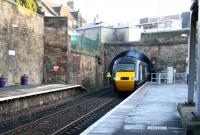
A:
(125, 67)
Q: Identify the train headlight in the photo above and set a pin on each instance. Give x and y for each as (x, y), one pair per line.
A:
(116, 78)
(132, 78)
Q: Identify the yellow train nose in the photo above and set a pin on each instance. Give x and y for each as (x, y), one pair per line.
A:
(125, 81)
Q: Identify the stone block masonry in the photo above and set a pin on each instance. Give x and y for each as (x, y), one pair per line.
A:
(33, 45)
(170, 49)
(21, 43)
(56, 49)
(166, 37)
(84, 69)
(75, 67)
(167, 55)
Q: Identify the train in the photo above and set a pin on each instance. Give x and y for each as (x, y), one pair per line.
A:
(130, 70)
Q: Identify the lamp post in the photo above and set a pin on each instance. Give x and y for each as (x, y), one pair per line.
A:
(194, 18)
(192, 50)
(197, 94)
(187, 58)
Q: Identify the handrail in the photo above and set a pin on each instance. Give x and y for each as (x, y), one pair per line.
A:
(160, 77)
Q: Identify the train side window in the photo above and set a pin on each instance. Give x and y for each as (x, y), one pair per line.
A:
(141, 72)
(145, 70)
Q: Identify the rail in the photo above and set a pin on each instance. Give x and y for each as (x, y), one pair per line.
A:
(80, 120)
(161, 78)
(64, 113)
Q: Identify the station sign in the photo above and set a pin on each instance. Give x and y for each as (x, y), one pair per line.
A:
(56, 68)
(11, 52)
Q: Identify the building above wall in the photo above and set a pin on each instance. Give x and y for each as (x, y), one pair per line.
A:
(163, 23)
(75, 19)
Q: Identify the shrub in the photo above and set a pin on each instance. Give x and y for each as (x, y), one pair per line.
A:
(30, 4)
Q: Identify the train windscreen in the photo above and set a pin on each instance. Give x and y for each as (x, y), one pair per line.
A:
(125, 67)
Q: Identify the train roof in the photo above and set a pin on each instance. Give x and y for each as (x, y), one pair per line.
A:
(126, 60)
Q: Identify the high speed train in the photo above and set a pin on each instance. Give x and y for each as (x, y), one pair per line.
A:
(130, 71)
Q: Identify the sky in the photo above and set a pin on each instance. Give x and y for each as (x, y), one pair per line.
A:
(116, 11)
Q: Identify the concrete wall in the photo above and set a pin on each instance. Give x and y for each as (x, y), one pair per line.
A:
(21, 31)
(107, 35)
(135, 34)
(122, 35)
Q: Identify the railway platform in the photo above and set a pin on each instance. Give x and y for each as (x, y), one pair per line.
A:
(13, 92)
(151, 110)
(15, 98)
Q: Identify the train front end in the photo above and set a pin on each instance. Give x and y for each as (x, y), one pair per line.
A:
(125, 81)
(124, 74)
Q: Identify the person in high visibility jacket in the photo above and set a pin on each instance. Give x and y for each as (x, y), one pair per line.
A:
(108, 76)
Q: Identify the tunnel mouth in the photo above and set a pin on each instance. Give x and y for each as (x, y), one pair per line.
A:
(130, 53)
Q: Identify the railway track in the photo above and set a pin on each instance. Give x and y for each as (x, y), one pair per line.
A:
(77, 126)
(54, 121)
(11, 117)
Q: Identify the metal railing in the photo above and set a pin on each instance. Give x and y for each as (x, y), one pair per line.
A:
(161, 78)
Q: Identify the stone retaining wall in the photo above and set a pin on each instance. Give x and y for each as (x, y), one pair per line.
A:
(56, 46)
(21, 43)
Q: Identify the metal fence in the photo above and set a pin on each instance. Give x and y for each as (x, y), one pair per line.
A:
(162, 78)
(80, 42)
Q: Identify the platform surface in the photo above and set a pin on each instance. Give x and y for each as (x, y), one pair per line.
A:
(13, 92)
(152, 110)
